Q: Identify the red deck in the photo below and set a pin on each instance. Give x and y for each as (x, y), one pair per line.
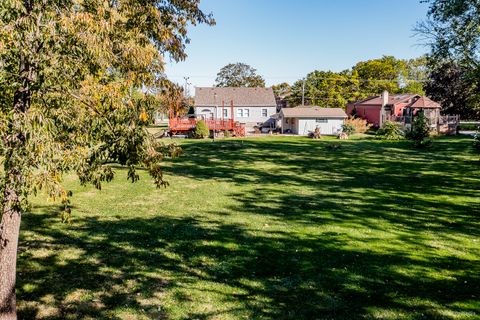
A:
(182, 125)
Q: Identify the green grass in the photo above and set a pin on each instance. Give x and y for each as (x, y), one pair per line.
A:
(468, 126)
(273, 228)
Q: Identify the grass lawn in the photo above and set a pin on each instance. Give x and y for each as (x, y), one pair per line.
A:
(272, 228)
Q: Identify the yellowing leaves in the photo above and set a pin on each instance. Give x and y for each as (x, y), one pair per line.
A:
(143, 116)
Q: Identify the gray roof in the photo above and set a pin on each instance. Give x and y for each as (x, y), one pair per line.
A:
(313, 112)
(241, 97)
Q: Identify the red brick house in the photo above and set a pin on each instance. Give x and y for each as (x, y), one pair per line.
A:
(380, 108)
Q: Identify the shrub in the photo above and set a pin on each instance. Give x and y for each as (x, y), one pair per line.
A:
(420, 132)
(359, 125)
(476, 140)
(201, 131)
(227, 134)
(390, 131)
(348, 128)
(468, 126)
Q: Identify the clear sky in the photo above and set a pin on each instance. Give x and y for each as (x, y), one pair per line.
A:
(286, 39)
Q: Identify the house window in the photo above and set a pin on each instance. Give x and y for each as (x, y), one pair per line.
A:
(246, 113)
(321, 120)
(225, 113)
(240, 113)
(286, 120)
(264, 112)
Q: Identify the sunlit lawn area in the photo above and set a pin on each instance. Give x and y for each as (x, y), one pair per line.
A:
(272, 228)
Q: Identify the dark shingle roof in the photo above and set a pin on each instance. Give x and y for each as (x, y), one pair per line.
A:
(392, 99)
(425, 102)
(412, 100)
(242, 97)
(313, 112)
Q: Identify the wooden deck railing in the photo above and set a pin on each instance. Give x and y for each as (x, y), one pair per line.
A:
(442, 124)
(184, 125)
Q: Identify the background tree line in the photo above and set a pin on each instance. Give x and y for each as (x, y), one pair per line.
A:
(365, 79)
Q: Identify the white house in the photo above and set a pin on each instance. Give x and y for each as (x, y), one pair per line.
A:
(302, 120)
(251, 106)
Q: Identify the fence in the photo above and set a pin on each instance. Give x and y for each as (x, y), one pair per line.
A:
(442, 124)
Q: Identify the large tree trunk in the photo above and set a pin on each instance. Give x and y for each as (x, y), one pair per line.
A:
(9, 232)
(14, 184)
(14, 192)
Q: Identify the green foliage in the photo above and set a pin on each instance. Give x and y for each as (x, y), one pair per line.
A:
(476, 140)
(416, 73)
(365, 79)
(282, 90)
(453, 33)
(390, 131)
(201, 130)
(348, 128)
(326, 89)
(391, 74)
(385, 74)
(454, 87)
(239, 75)
(468, 126)
(227, 134)
(453, 30)
(70, 79)
(420, 132)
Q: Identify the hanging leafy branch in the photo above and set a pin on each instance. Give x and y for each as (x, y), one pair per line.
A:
(71, 77)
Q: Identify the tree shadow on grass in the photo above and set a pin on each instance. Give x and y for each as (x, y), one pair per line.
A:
(278, 275)
(359, 163)
(99, 268)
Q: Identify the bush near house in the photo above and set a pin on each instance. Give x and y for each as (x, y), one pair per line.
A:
(201, 130)
(359, 125)
(390, 131)
(348, 129)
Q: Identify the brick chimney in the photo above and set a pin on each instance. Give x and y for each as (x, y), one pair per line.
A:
(383, 113)
(384, 98)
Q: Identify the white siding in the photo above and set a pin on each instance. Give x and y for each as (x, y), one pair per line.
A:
(255, 113)
(332, 126)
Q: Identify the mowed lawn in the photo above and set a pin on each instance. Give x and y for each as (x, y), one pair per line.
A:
(272, 228)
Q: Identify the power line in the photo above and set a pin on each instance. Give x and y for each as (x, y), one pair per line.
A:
(324, 78)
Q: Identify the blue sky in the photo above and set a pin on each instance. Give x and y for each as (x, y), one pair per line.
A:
(286, 39)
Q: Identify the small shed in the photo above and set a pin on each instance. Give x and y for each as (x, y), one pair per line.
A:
(303, 120)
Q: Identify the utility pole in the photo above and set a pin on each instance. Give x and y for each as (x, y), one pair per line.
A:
(214, 115)
(186, 86)
(303, 93)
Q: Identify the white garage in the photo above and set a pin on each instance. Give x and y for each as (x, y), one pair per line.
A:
(303, 120)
